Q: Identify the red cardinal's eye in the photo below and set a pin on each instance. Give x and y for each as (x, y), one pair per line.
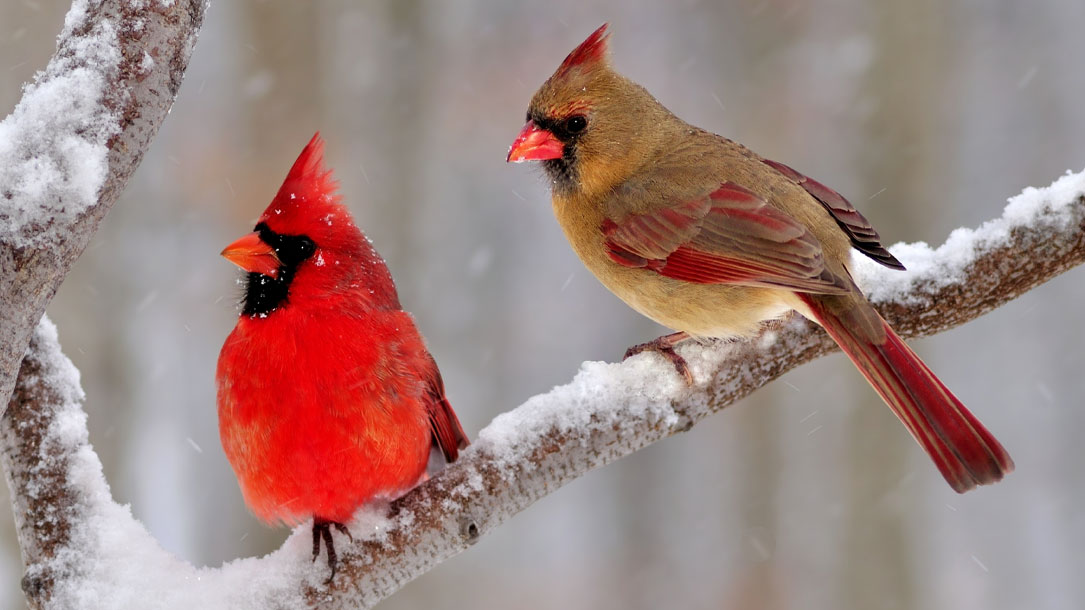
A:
(305, 247)
(576, 123)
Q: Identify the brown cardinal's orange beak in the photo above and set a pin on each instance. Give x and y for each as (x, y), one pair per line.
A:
(535, 144)
(254, 255)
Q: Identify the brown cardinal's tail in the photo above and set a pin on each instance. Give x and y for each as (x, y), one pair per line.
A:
(964, 451)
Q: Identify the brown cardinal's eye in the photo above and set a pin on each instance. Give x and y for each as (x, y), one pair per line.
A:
(576, 123)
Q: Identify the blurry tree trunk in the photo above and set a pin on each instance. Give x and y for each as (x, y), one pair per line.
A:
(22, 22)
(878, 556)
(283, 68)
(391, 106)
(761, 445)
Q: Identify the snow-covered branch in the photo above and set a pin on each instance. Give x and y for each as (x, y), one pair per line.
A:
(83, 550)
(71, 143)
(611, 410)
(66, 153)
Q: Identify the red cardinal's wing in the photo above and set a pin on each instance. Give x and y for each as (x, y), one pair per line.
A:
(862, 234)
(447, 432)
(729, 236)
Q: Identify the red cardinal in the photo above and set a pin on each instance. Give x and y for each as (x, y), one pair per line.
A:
(327, 395)
(704, 236)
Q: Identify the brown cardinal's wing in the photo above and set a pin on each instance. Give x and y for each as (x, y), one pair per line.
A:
(445, 426)
(729, 236)
(862, 234)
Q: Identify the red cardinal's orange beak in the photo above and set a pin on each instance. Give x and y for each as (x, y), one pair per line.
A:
(254, 255)
(535, 144)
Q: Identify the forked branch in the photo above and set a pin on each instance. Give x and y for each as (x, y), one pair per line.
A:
(83, 550)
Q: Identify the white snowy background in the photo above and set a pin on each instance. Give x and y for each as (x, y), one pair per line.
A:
(926, 115)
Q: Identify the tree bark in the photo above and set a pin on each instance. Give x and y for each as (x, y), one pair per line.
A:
(137, 95)
(607, 412)
(66, 519)
(137, 54)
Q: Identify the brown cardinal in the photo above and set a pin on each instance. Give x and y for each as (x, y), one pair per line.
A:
(704, 236)
(327, 395)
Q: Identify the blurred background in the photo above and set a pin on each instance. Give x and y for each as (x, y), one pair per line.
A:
(926, 114)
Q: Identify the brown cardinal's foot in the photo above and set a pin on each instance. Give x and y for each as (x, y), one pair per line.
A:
(665, 347)
(322, 529)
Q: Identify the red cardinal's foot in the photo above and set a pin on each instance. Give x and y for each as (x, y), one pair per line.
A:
(322, 530)
(665, 347)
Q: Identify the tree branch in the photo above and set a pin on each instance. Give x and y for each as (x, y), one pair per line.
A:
(66, 153)
(101, 554)
(117, 69)
(611, 410)
(72, 142)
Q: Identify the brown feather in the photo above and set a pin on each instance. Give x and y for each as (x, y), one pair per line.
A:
(729, 235)
(704, 236)
(863, 236)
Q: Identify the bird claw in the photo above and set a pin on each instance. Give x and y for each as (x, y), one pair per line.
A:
(322, 531)
(343, 530)
(664, 346)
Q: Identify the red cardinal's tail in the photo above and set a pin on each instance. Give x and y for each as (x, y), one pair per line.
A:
(964, 451)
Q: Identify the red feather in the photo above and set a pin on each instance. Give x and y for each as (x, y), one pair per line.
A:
(964, 451)
(593, 50)
(701, 268)
(730, 236)
(332, 399)
(862, 234)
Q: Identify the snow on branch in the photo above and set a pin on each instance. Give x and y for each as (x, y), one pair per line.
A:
(54, 144)
(83, 550)
(66, 153)
(609, 411)
(71, 143)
